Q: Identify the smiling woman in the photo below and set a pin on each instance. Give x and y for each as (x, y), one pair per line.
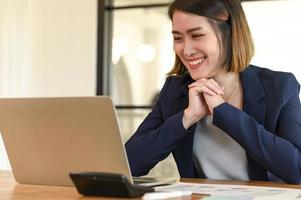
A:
(214, 100)
(273, 49)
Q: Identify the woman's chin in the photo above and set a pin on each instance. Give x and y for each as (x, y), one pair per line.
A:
(197, 76)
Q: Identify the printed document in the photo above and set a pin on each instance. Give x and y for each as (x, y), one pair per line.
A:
(252, 192)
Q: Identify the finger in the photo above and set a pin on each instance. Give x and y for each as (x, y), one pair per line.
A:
(207, 90)
(216, 86)
(200, 87)
(195, 84)
(213, 85)
(204, 89)
(196, 90)
(198, 82)
(191, 85)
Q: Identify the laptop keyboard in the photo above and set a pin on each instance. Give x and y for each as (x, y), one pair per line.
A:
(152, 182)
(138, 180)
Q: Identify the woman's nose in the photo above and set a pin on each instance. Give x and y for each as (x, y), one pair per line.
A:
(189, 49)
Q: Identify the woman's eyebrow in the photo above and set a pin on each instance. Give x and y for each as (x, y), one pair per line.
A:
(194, 29)
(188, 31)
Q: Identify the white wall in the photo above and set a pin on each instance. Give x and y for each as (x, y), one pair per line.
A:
(276, 29)
(47, 48)
(64, 48)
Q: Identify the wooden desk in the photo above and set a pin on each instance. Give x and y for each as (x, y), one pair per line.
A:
(10, 190)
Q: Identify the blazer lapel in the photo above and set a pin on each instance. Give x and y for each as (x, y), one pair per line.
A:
(253, 95)
(253, 104)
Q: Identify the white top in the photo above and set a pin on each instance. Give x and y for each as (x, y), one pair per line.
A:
(219, 155)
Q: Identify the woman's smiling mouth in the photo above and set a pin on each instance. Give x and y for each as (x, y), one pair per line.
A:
(193, 64)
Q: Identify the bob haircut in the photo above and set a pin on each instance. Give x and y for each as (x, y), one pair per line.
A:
(230, 25)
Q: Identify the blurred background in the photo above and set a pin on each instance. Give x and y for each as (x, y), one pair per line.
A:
(120, 48)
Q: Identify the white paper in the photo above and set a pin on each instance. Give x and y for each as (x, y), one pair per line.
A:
(254, 192)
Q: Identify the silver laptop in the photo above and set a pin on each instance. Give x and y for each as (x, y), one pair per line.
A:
(46, 138)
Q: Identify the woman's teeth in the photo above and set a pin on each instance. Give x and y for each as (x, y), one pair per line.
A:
(196, 62)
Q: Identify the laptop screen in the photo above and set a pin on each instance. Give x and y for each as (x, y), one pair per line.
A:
(46, 138)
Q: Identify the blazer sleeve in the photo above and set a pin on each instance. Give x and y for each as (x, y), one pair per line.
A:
(277, 152)
(157, 136)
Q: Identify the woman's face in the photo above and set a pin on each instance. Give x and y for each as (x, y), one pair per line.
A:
(196, 44)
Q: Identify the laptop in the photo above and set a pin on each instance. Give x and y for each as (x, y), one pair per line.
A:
(47, 138)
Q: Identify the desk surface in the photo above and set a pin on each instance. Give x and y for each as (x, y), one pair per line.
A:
(10, 190)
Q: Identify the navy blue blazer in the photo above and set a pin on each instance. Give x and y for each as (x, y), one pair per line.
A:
(268, 127)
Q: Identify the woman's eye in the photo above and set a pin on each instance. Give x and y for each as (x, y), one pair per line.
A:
(176, 39)
(197, 35)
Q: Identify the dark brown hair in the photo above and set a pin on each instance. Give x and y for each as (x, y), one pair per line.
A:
(230, 25)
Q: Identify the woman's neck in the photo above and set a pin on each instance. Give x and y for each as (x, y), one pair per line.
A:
(226, 78)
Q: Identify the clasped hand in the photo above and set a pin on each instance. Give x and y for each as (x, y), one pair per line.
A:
(204, 96)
